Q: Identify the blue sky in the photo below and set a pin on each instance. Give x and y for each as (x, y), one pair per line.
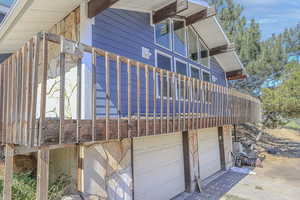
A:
(273, 15)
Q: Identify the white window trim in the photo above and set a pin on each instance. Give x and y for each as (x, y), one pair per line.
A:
(185, 38)
(170, 37)
(157, 79)
(187, 72)
(197, 42)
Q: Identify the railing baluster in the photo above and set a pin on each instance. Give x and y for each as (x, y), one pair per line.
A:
(107, 88)
(168, 101)
(184, 103)
(119, 95)
(23, 94)
(129, 97)
(9, 102)
(154, 101)
(34, 89)
(161, 99)
(193, 101)
(173, 101)
(138, 88)
(62, 96)
(1, 101)
(147, 98)
(189, 103)
(78, 111)
(94, 83)
(43, 90)
(179, 101)
(28, 94)
(198, 104)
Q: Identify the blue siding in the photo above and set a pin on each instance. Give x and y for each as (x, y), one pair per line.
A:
(125, 33)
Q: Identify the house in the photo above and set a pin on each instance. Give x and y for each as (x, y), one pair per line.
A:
(128, 97)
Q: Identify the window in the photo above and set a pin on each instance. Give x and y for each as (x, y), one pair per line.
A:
(195, 72)
(205, 76)
(179, 37)
(163, 34)
(204, 54)
(181, 67)
(164, 61)
(192, 45)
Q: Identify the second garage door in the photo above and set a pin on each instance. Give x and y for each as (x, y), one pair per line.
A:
(158, 167)
(209, 152)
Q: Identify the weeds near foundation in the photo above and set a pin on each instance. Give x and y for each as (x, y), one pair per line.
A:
(24, 187)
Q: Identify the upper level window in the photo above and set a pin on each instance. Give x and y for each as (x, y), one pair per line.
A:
(204, 54)
(181, 67)
(192, 45)
(179, 37)
(164, 61)
(206, 76)
(163, 34)
(195, 72)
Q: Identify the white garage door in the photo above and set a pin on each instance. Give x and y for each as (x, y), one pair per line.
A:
(158, 167)
(209, 153)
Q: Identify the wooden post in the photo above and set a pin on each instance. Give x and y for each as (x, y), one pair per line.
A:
(62, 98)
(80, 164)
(138, 97)
(154, 101)
(42, 174)
(161, 99)
(8, 172)
(79, 72)
(107, 95)
(186, 160)
(129, 97)
(119, 95)
(147, 99)
(94, 64)
(179, 102)
(168, 101)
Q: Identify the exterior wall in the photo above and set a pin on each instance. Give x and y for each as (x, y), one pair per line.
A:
(227, 132)
(107, 170)
(125, 33)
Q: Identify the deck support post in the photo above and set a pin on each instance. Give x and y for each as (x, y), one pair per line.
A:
(8, 172)
(42, 174)
(80, 164)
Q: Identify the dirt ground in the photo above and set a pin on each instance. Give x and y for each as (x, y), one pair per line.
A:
(279, 179)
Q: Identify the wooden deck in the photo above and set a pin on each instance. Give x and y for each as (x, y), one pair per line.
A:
(190, 103)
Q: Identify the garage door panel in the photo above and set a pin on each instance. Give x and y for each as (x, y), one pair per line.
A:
(209, 153)
(158, 167)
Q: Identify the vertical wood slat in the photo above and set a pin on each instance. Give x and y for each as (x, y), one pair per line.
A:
(43, 90)
(119, 95)
(107, 95)
(94, 65)
(168, 101)
(23, 95)
(28, 93)
(173, 101)
(184, 103)
(138, 92)
(147, 98)
(179, 102)
(129, 97)
(161, 99)
(8, 172)
(62, 58)
(189, 103)
(78, 102)
(42, 174)
(198, 104)
(18, 96)
(34, 89)
(4, 104)
(9, 100)
(154, 101)
(13, 106)
(193, 102)
(1, 101)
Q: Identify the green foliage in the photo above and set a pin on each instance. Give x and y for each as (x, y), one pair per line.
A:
(24, 187)
(283, 102)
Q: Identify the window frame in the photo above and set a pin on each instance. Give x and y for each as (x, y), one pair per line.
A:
(185, 38)
(170, 37)
(188, 46)
(187, 75)
(204, 70)
(157, 75)
(196, 67)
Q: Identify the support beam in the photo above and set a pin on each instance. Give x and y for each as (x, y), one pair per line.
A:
(235, 75)
(42, 174)
(97, 6)
(80, 164)
(221, 147)
(169, 11)
(221, 49)
(186, 160)
(202, 15)
(8, 172)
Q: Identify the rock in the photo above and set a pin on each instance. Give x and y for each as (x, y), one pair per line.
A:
(72, 197)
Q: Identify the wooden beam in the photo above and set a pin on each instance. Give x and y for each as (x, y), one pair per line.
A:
(8, 172)
(42, 174)
(221, 147)
(221, 49)
(169, 11)
(186, 160)
(201, 15)
(97, 6)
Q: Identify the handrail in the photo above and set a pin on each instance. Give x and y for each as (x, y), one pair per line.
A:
(187, 103)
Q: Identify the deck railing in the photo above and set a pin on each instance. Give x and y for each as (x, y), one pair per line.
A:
(157, 101)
